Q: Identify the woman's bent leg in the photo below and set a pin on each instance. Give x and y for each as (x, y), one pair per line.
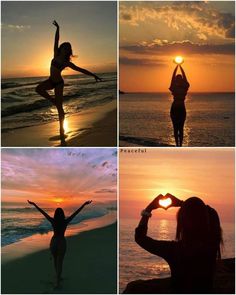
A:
(41, 90)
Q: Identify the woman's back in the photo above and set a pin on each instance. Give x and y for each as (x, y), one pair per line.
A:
(59, 227)
(192, 266)
(179, 91)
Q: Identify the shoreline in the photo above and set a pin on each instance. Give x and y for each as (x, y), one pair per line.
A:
(94, 127)
(90, 267)
(39, 242)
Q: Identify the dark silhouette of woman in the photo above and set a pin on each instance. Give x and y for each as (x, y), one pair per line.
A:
(58, 242)
(192, 257)
(61, 60)
(179, 87)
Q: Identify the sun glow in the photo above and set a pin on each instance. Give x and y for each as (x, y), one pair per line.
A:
(179, 60)
(58, 201)
(165, 202)
(66, 125)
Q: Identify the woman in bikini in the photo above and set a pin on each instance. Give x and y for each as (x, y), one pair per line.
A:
(179, 88)
(61, 60)
(58, 242)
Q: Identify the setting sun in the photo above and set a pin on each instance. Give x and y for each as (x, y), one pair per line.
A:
(165, 202)
(178, 60)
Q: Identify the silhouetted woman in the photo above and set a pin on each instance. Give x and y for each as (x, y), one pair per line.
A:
(192, 257)
(58, 242)
(179, 87)
(61, 60)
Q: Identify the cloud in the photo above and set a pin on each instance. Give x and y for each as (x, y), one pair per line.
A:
(184, 47)
(140, 62)
(19, 28)
(198, 16)
(65, 173)
(105, 191)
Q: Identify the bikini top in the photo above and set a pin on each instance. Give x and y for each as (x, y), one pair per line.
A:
(58, 65)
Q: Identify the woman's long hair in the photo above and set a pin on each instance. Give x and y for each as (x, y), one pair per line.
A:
(59, 215)
(198, 223)
(67, 47)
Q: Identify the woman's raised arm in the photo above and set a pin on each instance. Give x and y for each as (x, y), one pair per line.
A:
(68, 220)
(157, 247)
(41, 211)
(56, 42)
(173, 76)
(183, 74)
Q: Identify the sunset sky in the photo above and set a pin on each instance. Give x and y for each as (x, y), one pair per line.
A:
(28, 35)
(59, 177)
(206, 173)
(153, 33)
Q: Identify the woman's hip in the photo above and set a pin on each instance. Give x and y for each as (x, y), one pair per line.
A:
(178, 112)
(58, 245)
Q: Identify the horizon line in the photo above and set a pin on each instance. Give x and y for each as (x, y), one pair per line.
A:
(22, 77)
(154, 92)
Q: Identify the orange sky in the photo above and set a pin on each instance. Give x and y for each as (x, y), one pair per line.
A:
(206, 173)
(28, 35)
(58, 177)
(152, 33)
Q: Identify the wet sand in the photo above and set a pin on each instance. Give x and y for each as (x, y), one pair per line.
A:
(90, 267)
(93, 127)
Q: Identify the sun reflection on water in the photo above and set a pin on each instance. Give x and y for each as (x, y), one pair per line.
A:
(66, 125)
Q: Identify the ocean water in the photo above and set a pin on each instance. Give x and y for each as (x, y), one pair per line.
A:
(136, 263)
(23, 107)
(145, 119)
(19, 222)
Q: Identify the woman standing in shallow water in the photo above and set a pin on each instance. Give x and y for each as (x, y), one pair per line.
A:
(58, 242)
(61, 60)
(179, 87)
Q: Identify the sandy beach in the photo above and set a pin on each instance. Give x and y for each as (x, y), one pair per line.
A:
(94, 127)
(90, 266)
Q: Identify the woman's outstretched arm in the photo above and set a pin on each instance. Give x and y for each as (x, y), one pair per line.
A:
(161, 248)
(173, 75)
(84, 71)
(183, 74)
(41, 211)
(68, 220)
(56, 42)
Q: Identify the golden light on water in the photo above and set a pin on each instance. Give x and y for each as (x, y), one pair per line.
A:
(165, 202)
(66, 125)
(178, 60)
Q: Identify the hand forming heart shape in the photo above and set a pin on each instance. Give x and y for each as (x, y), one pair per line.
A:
(165, 202)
